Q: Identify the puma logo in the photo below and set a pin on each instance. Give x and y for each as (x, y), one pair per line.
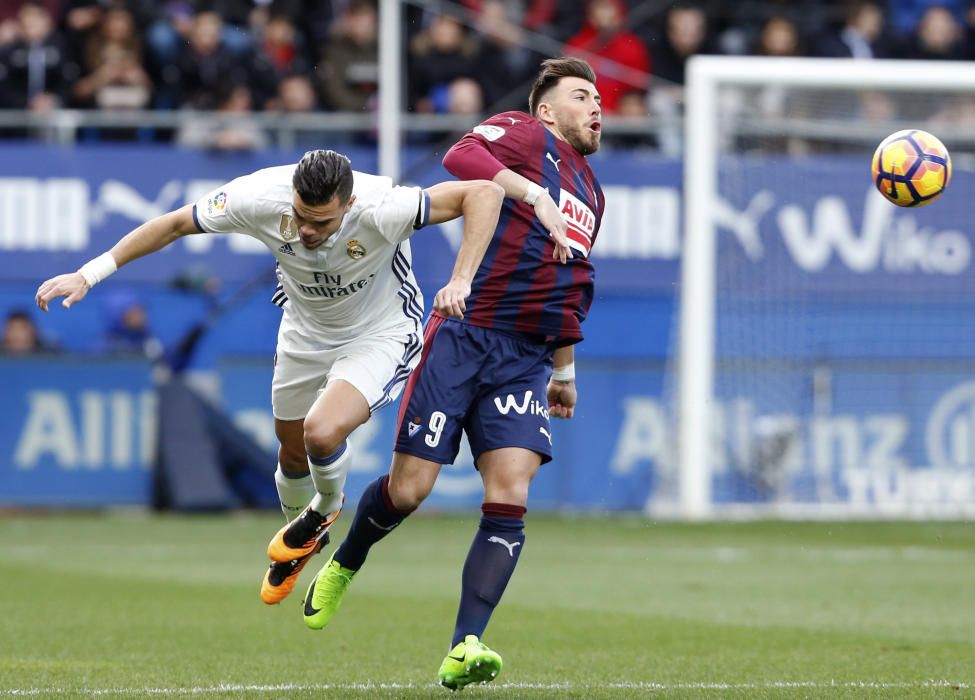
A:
(509, 545)
(554, 161)
(546, 434)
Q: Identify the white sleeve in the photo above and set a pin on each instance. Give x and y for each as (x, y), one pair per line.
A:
(401, 211)
(227, 209)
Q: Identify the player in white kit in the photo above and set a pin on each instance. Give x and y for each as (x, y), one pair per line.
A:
(350, 332)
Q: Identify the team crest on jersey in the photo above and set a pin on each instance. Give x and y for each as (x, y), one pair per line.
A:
(581, 222)
(287, 227)
(414, 428)
(489, 131)
(355, 249)
(217, 202)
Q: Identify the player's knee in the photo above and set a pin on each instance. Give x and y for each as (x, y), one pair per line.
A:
(322, 440)
(407, 495)
(513, 491)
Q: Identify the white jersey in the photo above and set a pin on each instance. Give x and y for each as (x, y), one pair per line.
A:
(359, 281)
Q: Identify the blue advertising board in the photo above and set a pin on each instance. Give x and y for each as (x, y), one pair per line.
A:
(76, 432)
(883, 441)
(844, 343)
(785, 224)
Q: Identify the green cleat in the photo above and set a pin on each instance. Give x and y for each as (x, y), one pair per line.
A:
(325, 593)
(469, 662)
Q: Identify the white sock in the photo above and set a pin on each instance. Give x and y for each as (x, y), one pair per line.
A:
(294, 494)
(329, 479)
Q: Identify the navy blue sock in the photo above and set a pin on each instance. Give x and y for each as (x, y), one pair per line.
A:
(375, 517)
(490, 563)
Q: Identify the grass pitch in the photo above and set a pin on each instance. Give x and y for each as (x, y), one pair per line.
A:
(129, 605)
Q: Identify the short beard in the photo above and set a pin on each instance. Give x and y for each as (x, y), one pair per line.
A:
(584, 143)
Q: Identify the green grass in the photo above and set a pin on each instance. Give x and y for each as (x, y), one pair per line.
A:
(129, 605)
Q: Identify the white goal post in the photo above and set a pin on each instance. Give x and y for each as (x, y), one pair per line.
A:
(696, 330)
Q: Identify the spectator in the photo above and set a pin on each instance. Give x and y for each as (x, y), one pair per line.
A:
(128, 327)
(861, 36)
(875, 107)
(939, 36)
(35, 70)
(80, 19)
(506, 65)
(748, 18)
(438, 56)
(633, 105)
(20, 335)
(779, 37)
(114, 78)
(560, 20)
(207, 65)
(906, 15)
(685, 34)
(282, 46)
(464, 96)
(349, 68)
(234, 129)
(618, 56)
(296, 94)
(10, 20)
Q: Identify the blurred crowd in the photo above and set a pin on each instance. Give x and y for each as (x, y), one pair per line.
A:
(125, 330)
(468, 57)
(223, 61)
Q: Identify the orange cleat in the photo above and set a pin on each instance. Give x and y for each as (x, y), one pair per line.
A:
(301, 536)
(281, 577)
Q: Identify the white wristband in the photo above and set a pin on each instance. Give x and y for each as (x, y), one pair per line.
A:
(97, 269)
(533, 193)
(564, 374)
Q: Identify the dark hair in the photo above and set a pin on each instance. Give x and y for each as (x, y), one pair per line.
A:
(553, 70)
(321, 175)
(19, 315)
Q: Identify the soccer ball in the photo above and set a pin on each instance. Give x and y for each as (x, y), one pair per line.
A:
(911, 168)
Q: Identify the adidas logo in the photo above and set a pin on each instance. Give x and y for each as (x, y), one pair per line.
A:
(286, 248)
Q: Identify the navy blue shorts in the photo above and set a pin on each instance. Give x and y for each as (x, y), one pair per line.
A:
(491, 384)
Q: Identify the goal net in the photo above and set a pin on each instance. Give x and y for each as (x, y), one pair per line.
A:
(825, 354)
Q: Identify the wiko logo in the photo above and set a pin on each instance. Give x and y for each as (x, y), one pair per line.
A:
(526, 405)
(887, 240)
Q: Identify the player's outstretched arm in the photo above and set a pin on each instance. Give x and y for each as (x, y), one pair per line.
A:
(149, 237)
(562, 386)
(479, 202)
(469, 159)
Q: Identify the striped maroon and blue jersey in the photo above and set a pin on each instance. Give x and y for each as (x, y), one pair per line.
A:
(519, 286)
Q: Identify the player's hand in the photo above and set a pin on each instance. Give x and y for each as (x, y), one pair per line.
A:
(450, 299)
(561, 399)
(548, 213)
(71, 286)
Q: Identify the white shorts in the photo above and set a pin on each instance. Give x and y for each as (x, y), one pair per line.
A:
(377, 366)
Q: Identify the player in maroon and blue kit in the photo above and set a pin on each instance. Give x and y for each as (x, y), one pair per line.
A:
(499, 365)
